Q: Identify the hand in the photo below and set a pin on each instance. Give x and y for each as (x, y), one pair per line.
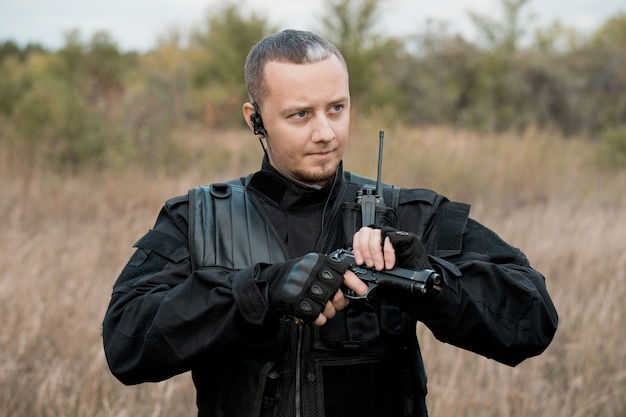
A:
(307, 287)
(383, 248)
(408, 248)
(339, 301)
(368, 249)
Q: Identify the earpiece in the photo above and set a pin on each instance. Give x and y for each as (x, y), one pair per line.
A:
(257, 121)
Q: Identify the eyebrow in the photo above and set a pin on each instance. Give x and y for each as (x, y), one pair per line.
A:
(298, 108)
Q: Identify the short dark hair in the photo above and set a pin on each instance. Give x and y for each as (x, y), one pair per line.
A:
(288, 46)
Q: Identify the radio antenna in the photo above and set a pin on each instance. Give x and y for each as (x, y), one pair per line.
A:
(379, 182)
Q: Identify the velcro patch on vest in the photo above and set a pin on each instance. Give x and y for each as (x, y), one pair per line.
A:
(452, 228)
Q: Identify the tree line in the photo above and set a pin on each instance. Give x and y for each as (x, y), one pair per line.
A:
(91, 102)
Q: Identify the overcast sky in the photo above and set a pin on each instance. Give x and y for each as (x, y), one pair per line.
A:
(136, 24)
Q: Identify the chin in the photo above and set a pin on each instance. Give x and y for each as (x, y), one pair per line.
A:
(319, 177)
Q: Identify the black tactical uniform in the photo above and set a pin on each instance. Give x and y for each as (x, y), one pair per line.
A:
(190, 299)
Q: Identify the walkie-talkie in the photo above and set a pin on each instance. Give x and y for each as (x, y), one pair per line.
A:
(369, 207)
(370, 199)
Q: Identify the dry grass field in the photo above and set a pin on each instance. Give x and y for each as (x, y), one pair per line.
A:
(64, 240)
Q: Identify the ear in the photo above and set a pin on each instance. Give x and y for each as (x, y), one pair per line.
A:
(248, 109)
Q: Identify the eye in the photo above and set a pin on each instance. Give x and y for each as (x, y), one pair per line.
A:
(299, 114)
(336, 108)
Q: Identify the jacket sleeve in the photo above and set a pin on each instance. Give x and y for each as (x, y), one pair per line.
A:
(493, 302)
(164, 317)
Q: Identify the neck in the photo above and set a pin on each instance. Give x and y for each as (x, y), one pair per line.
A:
(273, 185)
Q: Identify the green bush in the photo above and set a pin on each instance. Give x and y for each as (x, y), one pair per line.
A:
(59, 123)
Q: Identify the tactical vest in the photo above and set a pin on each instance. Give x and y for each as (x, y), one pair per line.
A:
(227, 230)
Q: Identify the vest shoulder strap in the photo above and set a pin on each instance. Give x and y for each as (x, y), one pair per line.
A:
(227, 230)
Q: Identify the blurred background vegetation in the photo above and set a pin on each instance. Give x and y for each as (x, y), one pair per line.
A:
(90, 104)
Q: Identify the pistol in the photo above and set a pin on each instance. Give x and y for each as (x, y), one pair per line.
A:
(415, 282)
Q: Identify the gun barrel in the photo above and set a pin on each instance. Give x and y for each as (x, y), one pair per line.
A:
(416, 282)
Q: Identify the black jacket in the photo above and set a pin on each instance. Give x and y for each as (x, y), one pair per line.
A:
(166, 317)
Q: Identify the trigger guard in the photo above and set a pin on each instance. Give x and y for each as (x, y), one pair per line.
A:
(368, 296)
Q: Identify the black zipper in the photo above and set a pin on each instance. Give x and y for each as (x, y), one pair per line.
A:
(298, 375)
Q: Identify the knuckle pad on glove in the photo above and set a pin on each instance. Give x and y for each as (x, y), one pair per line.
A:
(308, 285)
(297, 279)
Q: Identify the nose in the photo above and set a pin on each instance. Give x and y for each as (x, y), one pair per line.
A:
(323, 129)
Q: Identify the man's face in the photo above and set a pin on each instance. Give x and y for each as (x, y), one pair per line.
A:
(306, 114)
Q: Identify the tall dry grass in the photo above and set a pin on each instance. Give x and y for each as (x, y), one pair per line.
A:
(65, 238)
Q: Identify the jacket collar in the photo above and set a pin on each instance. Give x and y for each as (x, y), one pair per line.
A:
(274, 187)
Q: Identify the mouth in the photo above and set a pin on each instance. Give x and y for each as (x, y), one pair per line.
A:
(323, 153)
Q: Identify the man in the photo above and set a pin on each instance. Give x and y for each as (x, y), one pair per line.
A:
(235, 282)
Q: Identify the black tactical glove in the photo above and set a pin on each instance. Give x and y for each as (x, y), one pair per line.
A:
(302, 287)
(410, 252)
